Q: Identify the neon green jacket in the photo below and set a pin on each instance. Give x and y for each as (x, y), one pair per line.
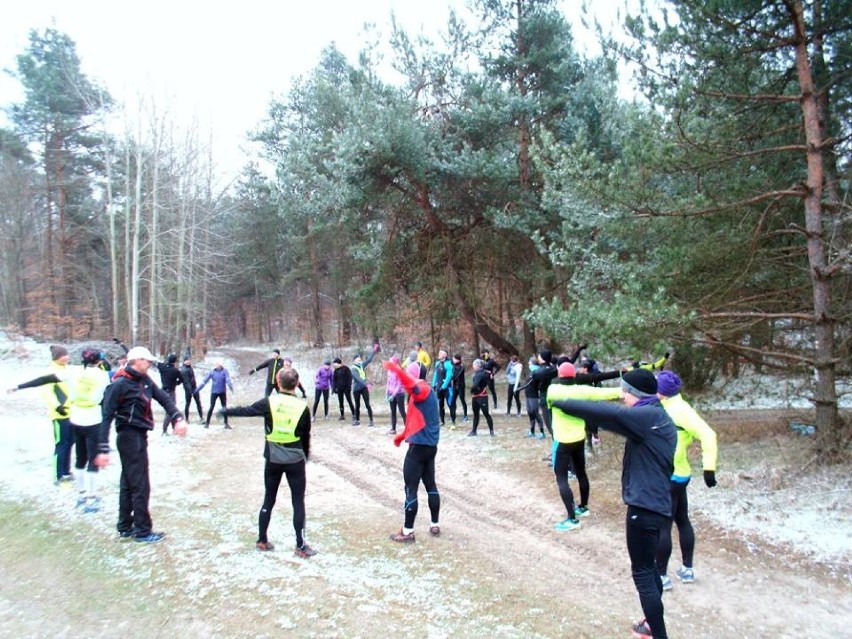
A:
(568, 429)
(690, 426)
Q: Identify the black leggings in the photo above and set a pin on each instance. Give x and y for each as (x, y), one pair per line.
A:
(419, 465)
(685, 532)
(348, 394)
(86, 447)
(534, 415)
(320, 392)
(643, 537)
(222, 397)
(459, 396)
(366, 395)
(512, 394)
(272, 475)
(571, 457)
(480, 405)
(189, 398)
(397, 403)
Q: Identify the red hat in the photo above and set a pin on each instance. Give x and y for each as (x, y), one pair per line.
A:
(566, 369)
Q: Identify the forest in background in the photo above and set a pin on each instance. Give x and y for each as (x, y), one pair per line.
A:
(500, 195)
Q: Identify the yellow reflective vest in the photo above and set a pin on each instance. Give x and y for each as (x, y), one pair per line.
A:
(286, 411)
(56, 395)
(568, 429)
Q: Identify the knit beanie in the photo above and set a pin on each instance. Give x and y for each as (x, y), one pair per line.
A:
(414, 370)
(567, 369)
(336, 360)
(57, 351)
(639, 382)
(546, 356)
(668, 383)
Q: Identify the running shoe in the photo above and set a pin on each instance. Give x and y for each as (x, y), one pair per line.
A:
(402, 537)
(642, 630)
(541, 435)
(529, 435)
(304, 551)
(567, 525)
(596, 441)
(435, 531)
(228, 427)
(392, 431)
(686, 575)
(667, 582)
(93, 505)
(150, 538)
(125, 535)
(472, 433)
(356, 422)
(264, 546)
(581, 511)
(371, 424)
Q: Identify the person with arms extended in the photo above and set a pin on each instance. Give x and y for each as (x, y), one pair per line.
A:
(220, 381)
(128, 402)
(650, 439)
(190, 388)
(170, 377)
(422, 355)
(360, 386)
(569, 433)
(422, 432)
(690, 427)
(57, 396)
(322, 386)
(287, 423)
(272, 366)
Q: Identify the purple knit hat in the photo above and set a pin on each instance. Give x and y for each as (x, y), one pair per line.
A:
(668, 383)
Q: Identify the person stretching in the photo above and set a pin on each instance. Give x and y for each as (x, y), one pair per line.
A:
(422, 432)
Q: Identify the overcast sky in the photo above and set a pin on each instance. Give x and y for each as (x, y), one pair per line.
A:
(217, 62)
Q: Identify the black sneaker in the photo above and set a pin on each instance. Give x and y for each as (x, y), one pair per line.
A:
(125, 535)
(642, 630)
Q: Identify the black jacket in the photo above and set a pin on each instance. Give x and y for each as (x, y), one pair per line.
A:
(189, 381)
(479, 385)
(458, 376)
(169, 376)
(128, 401)
(341, 381)
(274, 365)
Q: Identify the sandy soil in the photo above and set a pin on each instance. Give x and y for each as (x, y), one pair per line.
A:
(773, 555)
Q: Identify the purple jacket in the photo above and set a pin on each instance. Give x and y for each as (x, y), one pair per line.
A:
(220, 378)
(322, 380)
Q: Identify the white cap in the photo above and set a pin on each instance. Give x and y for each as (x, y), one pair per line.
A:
(140, 352)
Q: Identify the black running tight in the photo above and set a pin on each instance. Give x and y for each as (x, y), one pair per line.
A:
(272, 475)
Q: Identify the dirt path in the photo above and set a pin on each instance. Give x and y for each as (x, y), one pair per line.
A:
(498, 569)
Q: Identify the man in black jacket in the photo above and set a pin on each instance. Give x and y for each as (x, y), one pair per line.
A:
(273, 365)
(170, 377)
(190, 388)
(341, 385)
(128, 402)
(649, 450)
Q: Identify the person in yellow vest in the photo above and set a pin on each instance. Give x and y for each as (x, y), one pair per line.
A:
(57, 396)
(690, 427)
(569, 436)
(287, 422)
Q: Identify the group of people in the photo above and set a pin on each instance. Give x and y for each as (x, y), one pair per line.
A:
(563, 396)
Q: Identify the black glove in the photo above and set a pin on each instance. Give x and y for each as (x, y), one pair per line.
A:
(710, 478)
(251, 372)
(62, 410)
(666, 355)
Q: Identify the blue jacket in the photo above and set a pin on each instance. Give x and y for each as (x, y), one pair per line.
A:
(431, 432)
(443, 374)
(220, 378)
